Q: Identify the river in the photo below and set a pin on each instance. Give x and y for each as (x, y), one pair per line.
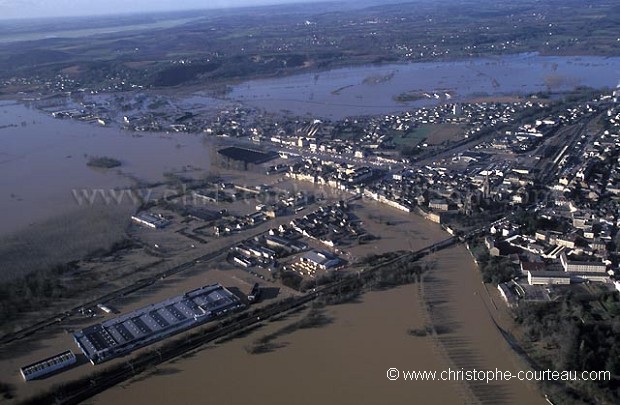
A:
(347, 360)
(355, 91)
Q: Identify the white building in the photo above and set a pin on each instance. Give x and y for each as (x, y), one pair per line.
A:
(548, 278)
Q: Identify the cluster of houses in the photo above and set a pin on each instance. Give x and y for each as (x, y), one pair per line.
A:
(475, 116)
(592, 173)
(581, 210)
(440, 190)
(237, 223)
(222, 191)
(584, 198)
(374, 137)
(287, 240)
(331, 225)
(527, 137)
(265, 250)
(367, 137)
(341, 176)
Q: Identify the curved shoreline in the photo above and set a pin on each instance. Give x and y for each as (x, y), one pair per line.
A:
(357, 335)
(473, 341)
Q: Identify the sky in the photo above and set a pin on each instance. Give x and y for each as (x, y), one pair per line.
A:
(69, 8)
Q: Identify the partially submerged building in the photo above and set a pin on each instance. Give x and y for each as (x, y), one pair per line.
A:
(121, 335)
(149, 220)
(321, 260)
(238, 158)
(48, 366)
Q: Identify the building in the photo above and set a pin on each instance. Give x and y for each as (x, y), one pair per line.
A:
(506, 293)
(48, 366)
(238, 158)
(489, 242)
(548, 278)
(153, 221)
(287, 245)
(574, 266)
(541, 235)
(589, 276)
(121, 335)
(532, 266)
(568, 241)
(254, 293)
(320, 259)
(242, 261)
(436, 217)
(439, 205)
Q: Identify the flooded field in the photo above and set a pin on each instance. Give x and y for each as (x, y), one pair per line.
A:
(372, 89)
(43, 160)
(346, 361)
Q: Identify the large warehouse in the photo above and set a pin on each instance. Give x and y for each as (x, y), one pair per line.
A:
(144, 326)
(234, 157)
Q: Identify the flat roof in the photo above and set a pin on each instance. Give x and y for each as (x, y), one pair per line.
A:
(533, 266)
(62, 358)
(247, 155)
(547, 273)
(144, 325)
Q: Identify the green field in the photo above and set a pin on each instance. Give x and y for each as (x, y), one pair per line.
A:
(413, 138)
(433, 134)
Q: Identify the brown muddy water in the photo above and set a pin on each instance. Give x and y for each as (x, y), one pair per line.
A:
(43, 160)
(374, 89)
(346, 361)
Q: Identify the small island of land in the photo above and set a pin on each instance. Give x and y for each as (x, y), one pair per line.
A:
(409, 96)
(103, 162)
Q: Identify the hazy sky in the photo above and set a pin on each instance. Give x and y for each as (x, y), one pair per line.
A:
(58, 8)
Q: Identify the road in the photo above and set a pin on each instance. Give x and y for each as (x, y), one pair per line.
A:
(78, 392)
(130, 289)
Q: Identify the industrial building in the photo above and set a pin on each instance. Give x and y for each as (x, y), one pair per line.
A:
(321, 260)
(149, 220)
(121, 335)
(289, 246)
(234, 157)
(48, 366)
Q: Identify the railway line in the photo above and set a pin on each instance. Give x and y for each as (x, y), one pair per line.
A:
(76, 392)
(127, 290)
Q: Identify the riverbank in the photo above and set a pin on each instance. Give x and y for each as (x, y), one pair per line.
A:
(463, 312)
(354, 351)
(342, 362)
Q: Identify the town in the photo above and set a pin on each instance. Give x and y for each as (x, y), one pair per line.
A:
(508, 158)
(524, 184)
(339, 187)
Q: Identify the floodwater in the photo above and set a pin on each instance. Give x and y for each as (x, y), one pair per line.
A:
(371, 89)
(342, 363)
(42, 160)
(463, 311)
(347, 360)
